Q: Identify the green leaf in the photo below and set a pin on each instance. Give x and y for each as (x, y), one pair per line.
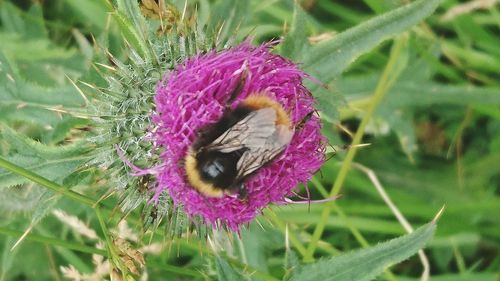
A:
(29, 24)
(292, 262)
(30, 259)
(52, 162)
(203, 13)
(45, 205)
(380, 6)
(11, 18)
(62, 128)
(466, 276)
(367, 264)
(68, 255)
(227, 16)
(130, 9)
(328, 59)
(54, 170)
(39, 60)
(84, 45)
(93, 12)
(328, 103)
(296, 39)
(24, 101)
(131, 34)
(252, 248)
(8, 257)
(28, 48)
(225, 272)
(19, 199)
(402, 123)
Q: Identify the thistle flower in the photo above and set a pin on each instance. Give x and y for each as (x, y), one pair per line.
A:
(194, 95)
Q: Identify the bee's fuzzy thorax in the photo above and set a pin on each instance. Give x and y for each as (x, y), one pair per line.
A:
(261, 100)
(195, 94)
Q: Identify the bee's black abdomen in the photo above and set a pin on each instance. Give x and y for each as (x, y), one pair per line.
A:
(219, 168)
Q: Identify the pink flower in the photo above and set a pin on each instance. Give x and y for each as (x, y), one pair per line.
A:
(195, 95)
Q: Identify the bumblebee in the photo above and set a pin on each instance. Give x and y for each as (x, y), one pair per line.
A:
(242, 141)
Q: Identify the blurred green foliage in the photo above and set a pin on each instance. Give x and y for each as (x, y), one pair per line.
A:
(434, 136)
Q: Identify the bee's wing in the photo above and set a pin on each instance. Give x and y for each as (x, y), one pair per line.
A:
(260, 138)
(251, 132)
(263, 151)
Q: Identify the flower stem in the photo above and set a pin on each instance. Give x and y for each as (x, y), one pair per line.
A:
(114, 257)
(104, 228)
(383, 86)
(45, 182)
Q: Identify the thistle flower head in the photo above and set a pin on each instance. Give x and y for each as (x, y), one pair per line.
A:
(194, 95)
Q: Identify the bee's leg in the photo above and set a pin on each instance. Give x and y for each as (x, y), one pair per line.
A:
(239, 87)
(332, 155)
(242, 192)
(304, 120)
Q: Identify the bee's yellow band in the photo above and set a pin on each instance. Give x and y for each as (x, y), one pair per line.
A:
(194, 178)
